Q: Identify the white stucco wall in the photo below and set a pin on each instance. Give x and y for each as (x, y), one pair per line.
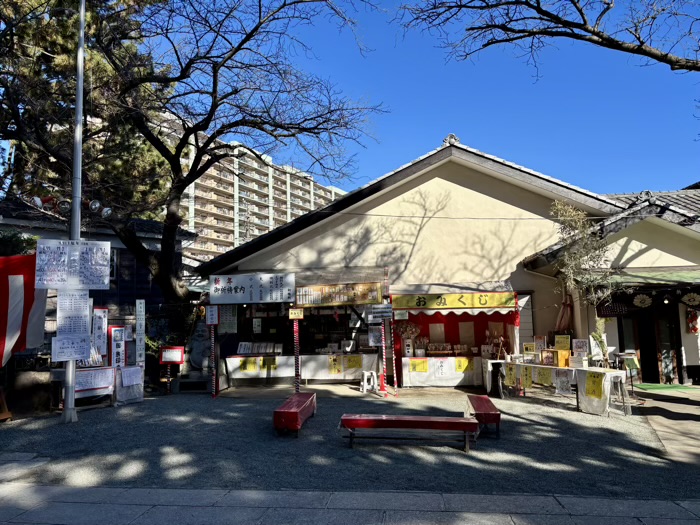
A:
(450, 225)
(648, 244)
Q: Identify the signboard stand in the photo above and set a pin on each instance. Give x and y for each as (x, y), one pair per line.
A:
(212, 318)
(171, 355)
(393, 359)
(297, 364)
(382, 377)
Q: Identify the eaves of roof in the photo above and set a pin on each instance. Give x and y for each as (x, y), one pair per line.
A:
(448, 151)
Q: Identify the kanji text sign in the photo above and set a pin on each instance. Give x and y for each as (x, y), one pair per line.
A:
(251, 288)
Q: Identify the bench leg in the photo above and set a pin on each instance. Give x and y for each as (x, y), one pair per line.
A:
(352, 436)
(466, 442)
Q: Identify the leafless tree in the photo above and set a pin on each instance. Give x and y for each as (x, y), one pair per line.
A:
(660, 31)
(195, 83)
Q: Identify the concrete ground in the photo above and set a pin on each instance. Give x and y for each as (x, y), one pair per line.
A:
(190, 459)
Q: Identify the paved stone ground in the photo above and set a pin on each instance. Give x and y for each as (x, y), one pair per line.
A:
(190, 441)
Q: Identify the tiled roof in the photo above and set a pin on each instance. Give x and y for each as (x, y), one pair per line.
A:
(14, 208)
(688, 200)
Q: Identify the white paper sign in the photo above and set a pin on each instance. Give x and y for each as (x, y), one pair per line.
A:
(73, 313)
(251, 288)
(440, 366)
(212, 315)
(128, 333)
(72, 265)
(94, 379)
(118, 347)
(132, 376)
(228, 319)
(68, 348)
(99, 329)
(257, 325)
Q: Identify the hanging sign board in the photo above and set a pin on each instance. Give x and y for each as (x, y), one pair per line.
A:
(339, 294)
(212, 315)
(172, 355)
(94, 381)
(252, 288)
(73, 313)
(99, 329)
(454, 300)
(401, 315)
(140, 335)
(296, 313)
(68, 348)
(72, 265)
(379, 312)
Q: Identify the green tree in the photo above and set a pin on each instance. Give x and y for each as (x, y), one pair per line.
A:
(660, 31)
(13, 242)
(173, 87)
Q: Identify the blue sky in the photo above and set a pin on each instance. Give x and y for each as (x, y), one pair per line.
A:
(595, 118)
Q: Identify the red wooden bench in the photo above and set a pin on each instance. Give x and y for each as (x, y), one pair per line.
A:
(485, 411)
(469, 426)
(291, 414)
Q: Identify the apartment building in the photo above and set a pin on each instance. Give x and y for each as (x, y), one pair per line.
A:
(243, 198)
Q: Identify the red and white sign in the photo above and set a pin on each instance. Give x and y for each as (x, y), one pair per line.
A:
(22, 308)
(172, 355)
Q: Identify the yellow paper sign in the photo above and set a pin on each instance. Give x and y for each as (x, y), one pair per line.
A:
(526, 376)
(249, 364)
(353, 361)
(544, 376)
(419, 365)
(528, 347)
(464, 364)
(594, 384)
(335, 366)
(269, 363)
(562, 342)
(296, 313)
(510, 374)
(454, 300)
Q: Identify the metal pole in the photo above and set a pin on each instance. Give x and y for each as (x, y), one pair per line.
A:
(69, 413)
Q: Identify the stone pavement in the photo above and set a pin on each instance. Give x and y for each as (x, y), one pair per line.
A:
(27, 503)
(675, 417)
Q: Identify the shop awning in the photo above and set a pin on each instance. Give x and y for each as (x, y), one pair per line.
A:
(473, 298)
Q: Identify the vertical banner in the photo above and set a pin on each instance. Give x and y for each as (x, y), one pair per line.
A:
(99, 329)
(212, 356)
(382, 386)
(117, 346)
(297, 364)
(140, 335)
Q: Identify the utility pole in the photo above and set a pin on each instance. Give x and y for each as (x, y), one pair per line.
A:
(69, 413)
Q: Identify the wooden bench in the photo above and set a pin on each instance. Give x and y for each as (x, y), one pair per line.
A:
(290, 415)
(485, 411)
(467, 425)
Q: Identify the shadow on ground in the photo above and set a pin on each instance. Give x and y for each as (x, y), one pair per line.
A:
(192, 440)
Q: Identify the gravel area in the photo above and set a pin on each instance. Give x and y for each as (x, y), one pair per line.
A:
(191, 440)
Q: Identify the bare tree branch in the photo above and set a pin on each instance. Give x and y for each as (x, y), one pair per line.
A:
(662, 31)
